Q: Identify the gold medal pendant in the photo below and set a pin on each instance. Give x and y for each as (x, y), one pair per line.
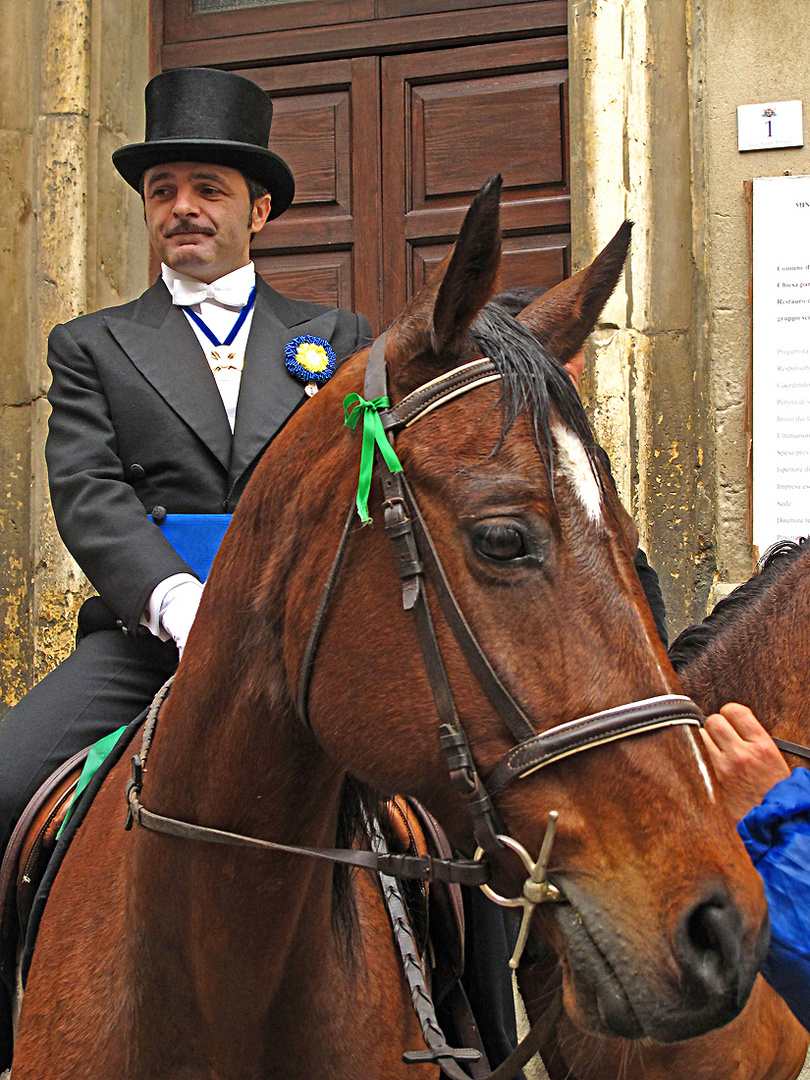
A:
(223, 358)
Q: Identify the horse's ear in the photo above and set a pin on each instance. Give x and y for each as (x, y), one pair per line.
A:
(562, 318)
(430, 336)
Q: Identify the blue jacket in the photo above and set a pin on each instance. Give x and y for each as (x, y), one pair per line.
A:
(776, 835)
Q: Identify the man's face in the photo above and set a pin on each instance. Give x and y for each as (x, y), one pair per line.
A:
(200, 217)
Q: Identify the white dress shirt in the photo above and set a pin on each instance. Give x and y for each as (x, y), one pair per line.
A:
(173, 603)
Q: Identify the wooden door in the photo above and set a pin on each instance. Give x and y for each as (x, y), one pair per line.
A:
(326, 127)
(453, 118)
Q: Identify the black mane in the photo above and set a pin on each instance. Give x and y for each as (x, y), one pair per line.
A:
(532, 381)
(692, 642)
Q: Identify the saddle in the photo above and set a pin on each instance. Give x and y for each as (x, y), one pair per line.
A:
(27, 855)
(437, 911)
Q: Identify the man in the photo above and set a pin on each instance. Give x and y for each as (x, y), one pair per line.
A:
(163, 407)
(771, 806)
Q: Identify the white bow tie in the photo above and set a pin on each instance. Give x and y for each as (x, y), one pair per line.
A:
(188, 293)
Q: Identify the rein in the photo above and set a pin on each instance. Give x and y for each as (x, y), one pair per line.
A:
(793, 748)
(414, 867)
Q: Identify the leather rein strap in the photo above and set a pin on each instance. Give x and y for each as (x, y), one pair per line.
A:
(792, 748)
(413, 867)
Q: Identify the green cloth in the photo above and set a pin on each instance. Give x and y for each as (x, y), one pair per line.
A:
(95, 758)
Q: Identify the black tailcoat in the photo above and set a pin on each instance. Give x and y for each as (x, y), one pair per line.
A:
(137, 422)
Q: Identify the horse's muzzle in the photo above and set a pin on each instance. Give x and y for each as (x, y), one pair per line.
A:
(619, 993)
(718, 974)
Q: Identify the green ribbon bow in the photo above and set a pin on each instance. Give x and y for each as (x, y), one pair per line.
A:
(355, 406)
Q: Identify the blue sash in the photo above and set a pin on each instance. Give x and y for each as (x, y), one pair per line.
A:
(195, 538)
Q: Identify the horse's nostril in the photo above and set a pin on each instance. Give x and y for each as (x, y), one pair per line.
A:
(704, 931)
(709, 946)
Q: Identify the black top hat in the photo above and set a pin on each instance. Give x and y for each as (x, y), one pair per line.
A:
(202, 114)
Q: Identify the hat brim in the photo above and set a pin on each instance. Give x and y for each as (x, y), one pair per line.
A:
(259, 164)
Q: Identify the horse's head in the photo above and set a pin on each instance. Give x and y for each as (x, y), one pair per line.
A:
(661, 932)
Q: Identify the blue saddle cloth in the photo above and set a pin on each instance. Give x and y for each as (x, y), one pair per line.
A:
(195, 538)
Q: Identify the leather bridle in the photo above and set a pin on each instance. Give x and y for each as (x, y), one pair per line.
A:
(416, 559)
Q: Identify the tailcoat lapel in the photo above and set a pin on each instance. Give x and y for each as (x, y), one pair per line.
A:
(161, 344)
(268, 394)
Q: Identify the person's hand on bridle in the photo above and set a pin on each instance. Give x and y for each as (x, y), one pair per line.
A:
(745, 757)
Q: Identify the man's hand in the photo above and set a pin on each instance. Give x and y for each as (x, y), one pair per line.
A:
(744, 757)
(178, 610)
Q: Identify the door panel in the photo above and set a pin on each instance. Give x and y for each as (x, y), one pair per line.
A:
(326, 127)
(492, 125)
(185, 20)
(322, 276)
(451, 119)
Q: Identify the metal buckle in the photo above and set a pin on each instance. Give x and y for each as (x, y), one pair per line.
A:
(536, 888)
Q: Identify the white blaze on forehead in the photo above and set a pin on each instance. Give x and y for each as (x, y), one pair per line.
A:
(573, 460)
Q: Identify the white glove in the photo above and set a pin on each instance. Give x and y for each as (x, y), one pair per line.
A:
(178, 609)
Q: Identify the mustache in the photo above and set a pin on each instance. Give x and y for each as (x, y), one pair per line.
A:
(184, 226)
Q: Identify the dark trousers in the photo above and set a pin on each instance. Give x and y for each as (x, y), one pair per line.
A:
(491, 935)
(109, 679)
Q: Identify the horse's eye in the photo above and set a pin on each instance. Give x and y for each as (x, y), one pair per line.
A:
(501, 542)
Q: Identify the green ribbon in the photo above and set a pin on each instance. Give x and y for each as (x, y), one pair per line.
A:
(355, 406)
(93, 762)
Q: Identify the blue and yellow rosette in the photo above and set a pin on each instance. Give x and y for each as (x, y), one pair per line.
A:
(310, 359)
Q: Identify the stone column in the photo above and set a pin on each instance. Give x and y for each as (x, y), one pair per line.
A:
(631, 156)
(71, 239)
(60, 293)
(18, 94)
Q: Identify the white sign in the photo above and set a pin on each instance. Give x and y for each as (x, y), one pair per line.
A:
(770, 125)
(781, 377)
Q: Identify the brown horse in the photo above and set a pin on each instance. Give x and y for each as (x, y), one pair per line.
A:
(748, 650)
(162, 957)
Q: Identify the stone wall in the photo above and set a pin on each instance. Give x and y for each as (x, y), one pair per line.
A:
(630, 158)
(748, 53)
(71, 239)
(654, 91)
